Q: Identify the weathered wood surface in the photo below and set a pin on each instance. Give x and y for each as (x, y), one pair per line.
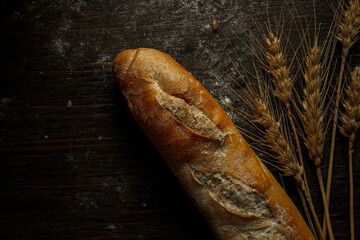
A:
(88, 172)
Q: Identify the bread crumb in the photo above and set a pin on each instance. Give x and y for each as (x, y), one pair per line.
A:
(214, 25)
(46, 137)
(69, 104)
(111, 226)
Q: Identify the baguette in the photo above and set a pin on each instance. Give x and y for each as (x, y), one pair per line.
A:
(233, 189)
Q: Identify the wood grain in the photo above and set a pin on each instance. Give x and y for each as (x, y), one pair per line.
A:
(88, 172)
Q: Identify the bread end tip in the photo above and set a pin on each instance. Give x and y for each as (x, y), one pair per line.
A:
(122, 62)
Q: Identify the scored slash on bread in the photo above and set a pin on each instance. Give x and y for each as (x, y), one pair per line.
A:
(233, 189)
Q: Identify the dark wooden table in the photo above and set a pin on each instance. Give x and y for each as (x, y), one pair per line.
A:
(88, 172)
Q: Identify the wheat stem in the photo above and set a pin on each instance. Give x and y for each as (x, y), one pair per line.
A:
(313, 212)
(326, 207)
(304, 188)
(292, 124)
(351, 151)
(333, 135)
(308, 216)
(289, 114)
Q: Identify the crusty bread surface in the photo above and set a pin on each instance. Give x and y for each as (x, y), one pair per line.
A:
(233, 189)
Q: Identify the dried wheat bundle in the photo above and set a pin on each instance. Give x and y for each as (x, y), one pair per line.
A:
(314, 66)
(283, 84)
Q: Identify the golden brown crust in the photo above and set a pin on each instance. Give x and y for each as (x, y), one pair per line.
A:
(219, 172)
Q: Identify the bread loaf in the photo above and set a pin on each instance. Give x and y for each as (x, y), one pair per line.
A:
(235, 192)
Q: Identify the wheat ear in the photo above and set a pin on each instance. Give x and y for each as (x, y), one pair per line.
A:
(349, 27)
(277, 68)
(283, 153)
(313, 119)
(349, 24)
(277, 142)
(350, 124)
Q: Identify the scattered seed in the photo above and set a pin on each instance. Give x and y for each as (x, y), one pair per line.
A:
(214, 25)
(69, 104)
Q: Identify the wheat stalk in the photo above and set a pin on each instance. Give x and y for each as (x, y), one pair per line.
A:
(313, 118)
(280, 73)
(276, 67)
(349, 24)
(350, 125)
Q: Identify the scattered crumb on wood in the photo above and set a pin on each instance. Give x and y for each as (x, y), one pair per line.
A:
(69, 104)
(46, 137)
(214, 25)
